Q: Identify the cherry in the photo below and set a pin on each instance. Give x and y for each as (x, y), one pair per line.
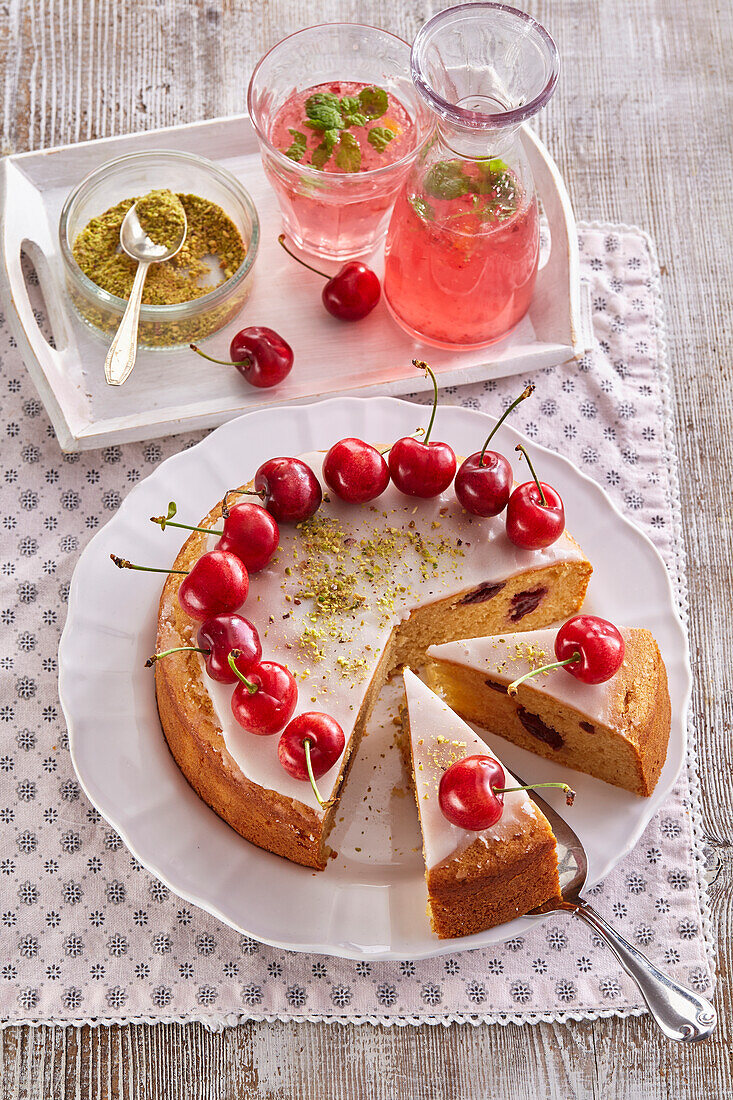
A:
(217, 637)
(471, 792)
(217, 583)
(588, 647)
(355, 471)
(265, 698)
(420, 468)
(288, 488)
(535, 516)
(484, 479)
(310, 746)
(260, 355)
(250, 532)
(351, 293)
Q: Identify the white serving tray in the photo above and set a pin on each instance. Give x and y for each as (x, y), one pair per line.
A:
(175, 391)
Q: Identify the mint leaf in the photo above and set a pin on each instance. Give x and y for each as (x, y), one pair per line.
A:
(373, 101)
(298, 147)
(323, 151)
(422, 207)
(446, 180)
(380, 137)
(348, 153)
(323, 112)
(356, 119)
(350, 105)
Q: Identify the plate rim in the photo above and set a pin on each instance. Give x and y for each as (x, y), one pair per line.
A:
(346, 949)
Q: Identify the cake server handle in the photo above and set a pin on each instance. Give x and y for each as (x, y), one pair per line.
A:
(681, 1013)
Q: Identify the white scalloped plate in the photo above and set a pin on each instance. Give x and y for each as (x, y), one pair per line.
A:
(370, 902)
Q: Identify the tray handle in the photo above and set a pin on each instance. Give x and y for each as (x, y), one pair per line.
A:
(55, 371)
(563, 264)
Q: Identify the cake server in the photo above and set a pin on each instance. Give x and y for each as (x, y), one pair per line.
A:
(681, 1013)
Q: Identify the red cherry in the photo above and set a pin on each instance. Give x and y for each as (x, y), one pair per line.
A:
(260, 355)
(535, 516)
(483, 483)
(265, 698)
(420, 468)
(467, 794)
(355, 471)
(484, 479)
(251, 533)
(471, 792)
(594, 647)
(220, 635)
(217, 583)
(351, 293)
(289, 489)
(326, 744)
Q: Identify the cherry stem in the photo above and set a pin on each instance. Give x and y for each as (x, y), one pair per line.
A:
(242, 492)
(123, 563)
(527, 393)
(512, 689)
(569, 792)
(246, 362)
(543, 498)
(163, 522)
(309, 766)
(232, 662)
(281, 240)
(429, 372)
(178, 649)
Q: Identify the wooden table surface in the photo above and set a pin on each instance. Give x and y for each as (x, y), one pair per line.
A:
(641, 127)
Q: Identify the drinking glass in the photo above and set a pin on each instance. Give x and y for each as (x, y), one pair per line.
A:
(337, 215)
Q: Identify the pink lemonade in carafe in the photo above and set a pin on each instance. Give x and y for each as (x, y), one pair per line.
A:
(462, 253)
(341, 131)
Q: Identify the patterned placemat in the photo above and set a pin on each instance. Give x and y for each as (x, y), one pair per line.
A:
(87, 935)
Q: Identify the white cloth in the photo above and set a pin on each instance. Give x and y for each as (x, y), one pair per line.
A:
(87, 935)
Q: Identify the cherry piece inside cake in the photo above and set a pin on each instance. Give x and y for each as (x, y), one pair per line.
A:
(616, 731)
(475, 879)
(351, 594)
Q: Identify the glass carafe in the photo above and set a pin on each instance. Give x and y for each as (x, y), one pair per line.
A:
(463, 242)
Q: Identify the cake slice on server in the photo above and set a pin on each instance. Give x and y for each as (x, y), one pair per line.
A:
(617, 731)
(476, 878)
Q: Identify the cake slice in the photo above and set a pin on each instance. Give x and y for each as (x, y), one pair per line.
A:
(475, 880)
(617, 731)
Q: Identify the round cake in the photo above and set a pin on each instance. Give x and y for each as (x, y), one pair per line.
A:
(353, 593)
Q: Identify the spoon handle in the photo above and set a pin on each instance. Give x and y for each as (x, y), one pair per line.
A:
(681, 1013)
(123, 349)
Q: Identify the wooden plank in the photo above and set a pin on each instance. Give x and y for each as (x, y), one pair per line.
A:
(640, 127)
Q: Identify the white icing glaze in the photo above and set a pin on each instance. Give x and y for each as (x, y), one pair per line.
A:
(439, 737)
(476, 552)
(506, 657)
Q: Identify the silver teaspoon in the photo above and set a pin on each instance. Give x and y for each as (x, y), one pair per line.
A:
(681, 1013)
(138, 245)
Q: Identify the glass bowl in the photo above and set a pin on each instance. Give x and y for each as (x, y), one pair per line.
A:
(337, 215)
(135, 175)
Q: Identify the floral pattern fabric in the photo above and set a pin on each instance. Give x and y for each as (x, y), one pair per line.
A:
(86, 934)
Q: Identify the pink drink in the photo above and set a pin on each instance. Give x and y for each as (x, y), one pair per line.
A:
(336, 137)
(461, 267)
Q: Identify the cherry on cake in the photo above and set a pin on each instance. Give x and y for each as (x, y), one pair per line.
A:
(475, 879)
(616, 731)
(352, 593)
